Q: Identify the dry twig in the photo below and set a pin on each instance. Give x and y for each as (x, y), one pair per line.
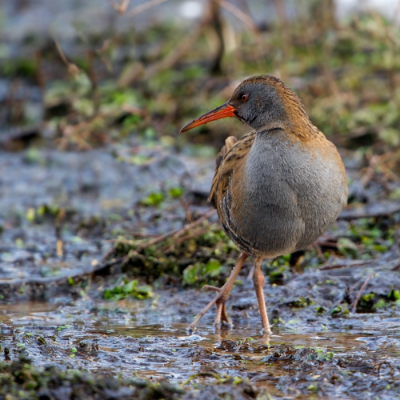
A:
(121, 6)
(63, 281)
(356, 263)
(175, 234)
(137, 70)
(189, 216)
(238, 13)
(72, 68)
(354, 307)
(143, 7)
(373, 210)
(211, 212)
(192, 235)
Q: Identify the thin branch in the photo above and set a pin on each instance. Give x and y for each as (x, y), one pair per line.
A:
(72, 68)
(379, 209)
(121, 7)
(137, 70)
(143, 7)
(397, 266)
(154, 241)
(193, 235)
(189, 216)
(175, 234)
(174, 56)
(354, 308)
(396, 13)
(211, 212)
(66, 280)
(357, 263)
(238, 13)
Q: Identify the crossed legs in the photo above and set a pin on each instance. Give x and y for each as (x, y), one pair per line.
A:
(222, 295)
(224, 291)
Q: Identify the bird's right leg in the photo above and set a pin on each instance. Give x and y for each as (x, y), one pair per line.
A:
(221, 314)
(258, 279)
(223, 294)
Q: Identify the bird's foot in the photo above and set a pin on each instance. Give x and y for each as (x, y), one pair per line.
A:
(222, 295)
(266, 332)
(219, 300)
(221, 314)
(211, 288)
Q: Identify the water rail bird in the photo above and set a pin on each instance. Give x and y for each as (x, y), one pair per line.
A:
(277, 188)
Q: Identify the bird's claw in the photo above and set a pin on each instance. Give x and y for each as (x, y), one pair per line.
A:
(211, 288)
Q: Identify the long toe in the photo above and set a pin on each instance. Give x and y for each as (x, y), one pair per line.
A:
(221, 315)
(217, 320)
(211, 288)
(224, 316)
(222, 294)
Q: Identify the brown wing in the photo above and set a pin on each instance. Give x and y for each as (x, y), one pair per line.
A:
(233, 151)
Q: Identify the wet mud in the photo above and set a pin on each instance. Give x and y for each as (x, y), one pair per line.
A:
(61, 338)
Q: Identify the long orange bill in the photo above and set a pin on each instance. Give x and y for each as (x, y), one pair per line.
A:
(224, 111)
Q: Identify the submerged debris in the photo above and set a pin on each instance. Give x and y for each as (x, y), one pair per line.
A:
(20, 379)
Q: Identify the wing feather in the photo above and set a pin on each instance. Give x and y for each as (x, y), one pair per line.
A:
(230, 154)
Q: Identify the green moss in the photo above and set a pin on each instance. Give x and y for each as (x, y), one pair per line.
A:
(320, 310)
(394, 295)
(278, 275)
(128, 288)
(200, 272)
(20, 380)
(336, 310)
(369, 302)
(380, 304)
(175, 192)
(153, 199)
(206, 258)
(323, 355)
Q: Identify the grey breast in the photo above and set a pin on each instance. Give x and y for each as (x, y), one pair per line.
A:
(291, 195)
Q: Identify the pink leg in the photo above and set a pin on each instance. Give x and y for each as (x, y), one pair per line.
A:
(258, 286)
(222, 295)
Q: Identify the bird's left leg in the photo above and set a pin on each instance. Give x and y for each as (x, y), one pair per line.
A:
(223, 294)
(221, 314)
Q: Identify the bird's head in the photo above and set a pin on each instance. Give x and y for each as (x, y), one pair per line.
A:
(260, 102)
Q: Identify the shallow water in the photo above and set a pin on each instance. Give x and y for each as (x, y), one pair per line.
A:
(311, 353)
(120, 341)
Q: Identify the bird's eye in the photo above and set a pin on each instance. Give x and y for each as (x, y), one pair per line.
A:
(244, 97)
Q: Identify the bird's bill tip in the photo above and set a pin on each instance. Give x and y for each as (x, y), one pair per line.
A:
(224, 111)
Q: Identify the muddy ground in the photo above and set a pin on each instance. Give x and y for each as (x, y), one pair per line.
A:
(60, 336)
(106, 237)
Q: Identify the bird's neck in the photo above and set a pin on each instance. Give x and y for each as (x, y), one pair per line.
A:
(296, 121)
(301, 127)
(297, 127)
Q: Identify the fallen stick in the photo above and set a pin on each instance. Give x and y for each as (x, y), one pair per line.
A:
(60, 280)
(357, 263)
(396, 267)
(357, 299)
(193, 235)
(175, 234)
(143, 7)
(211, 212)
(104, 267)
(381, 209)
(238, 13)
(156, 240)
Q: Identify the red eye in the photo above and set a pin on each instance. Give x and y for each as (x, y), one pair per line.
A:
(244, 97)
